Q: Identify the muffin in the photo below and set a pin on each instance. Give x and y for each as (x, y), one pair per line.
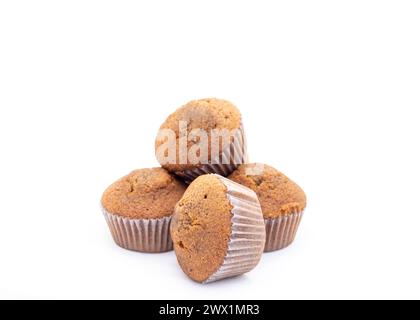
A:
(282, 201)
(138, 209)
(217, 229)
(204, 136)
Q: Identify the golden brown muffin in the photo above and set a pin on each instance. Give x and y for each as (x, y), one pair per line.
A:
(204, 114)
(144, 194)
(201, 227)
(278, 194)
(212, 212)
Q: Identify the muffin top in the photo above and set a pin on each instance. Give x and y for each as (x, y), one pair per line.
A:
(278, 194)
(201, 227)
(144, 194)
(205, 115)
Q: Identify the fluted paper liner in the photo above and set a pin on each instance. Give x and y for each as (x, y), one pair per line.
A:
(281, 231)
(144, 235)
(247, 238)
(231, 158)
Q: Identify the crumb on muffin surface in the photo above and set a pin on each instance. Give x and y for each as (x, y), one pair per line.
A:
(143, 194)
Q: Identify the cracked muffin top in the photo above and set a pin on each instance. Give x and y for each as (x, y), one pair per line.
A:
(278, 194)
(201, 227)
(204, 115)
(144, 194)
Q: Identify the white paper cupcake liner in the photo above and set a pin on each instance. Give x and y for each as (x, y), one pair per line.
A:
(281, 231)
(247, 238)
(231, 158)
(144, 235)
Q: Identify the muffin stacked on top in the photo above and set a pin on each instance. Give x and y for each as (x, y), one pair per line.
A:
(228, 215)
(197, 131)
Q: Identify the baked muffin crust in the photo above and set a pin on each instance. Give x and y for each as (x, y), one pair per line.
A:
(201, 227)
(278, 194)
(144, 194)
(204, 114)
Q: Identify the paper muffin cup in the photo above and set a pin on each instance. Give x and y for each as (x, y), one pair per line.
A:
(281, 231)
(231, 158)
(247, 238)
(143, 235)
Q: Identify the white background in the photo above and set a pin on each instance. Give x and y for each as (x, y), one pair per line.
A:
(330, 95)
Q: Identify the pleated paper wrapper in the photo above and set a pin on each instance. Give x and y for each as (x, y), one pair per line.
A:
(143, 235)
(247, 238)
(281, 231)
